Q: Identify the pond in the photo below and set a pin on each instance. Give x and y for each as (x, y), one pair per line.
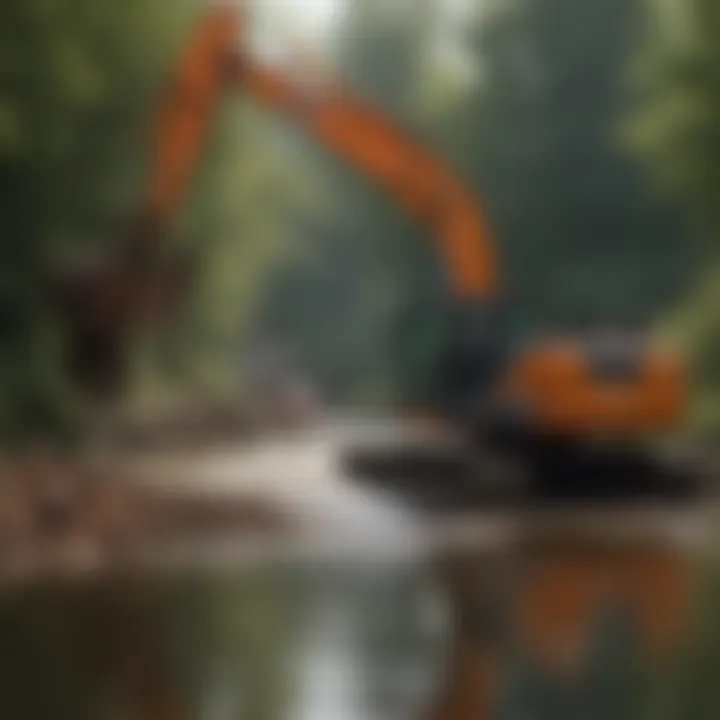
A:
(354, 641)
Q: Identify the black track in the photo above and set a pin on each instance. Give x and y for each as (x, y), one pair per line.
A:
(547, 473)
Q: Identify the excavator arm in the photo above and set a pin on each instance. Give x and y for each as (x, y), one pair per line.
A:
(104, 299)
(355, 132)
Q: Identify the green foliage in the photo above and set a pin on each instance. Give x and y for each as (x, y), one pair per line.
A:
(677, 128)
(582, 238)
(677, 132)
(75, 80)
(79, 84)
(238, 225)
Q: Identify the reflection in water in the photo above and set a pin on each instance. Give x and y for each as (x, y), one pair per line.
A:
(370, 644)
(329, 668)
(367, 643)
(352, 643)
(331, 643)
(344, 641)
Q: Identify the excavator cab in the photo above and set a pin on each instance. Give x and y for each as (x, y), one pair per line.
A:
(607, 385)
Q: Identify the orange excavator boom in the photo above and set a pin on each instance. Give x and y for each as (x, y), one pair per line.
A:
(428, 190)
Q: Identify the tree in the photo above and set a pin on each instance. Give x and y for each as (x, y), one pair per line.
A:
(676, 132)
(76, 79)
(77, 93)
(582, 239)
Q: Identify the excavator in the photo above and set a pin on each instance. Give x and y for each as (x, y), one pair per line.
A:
(571, 414)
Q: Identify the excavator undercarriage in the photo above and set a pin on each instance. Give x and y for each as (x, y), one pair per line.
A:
(523, 471)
